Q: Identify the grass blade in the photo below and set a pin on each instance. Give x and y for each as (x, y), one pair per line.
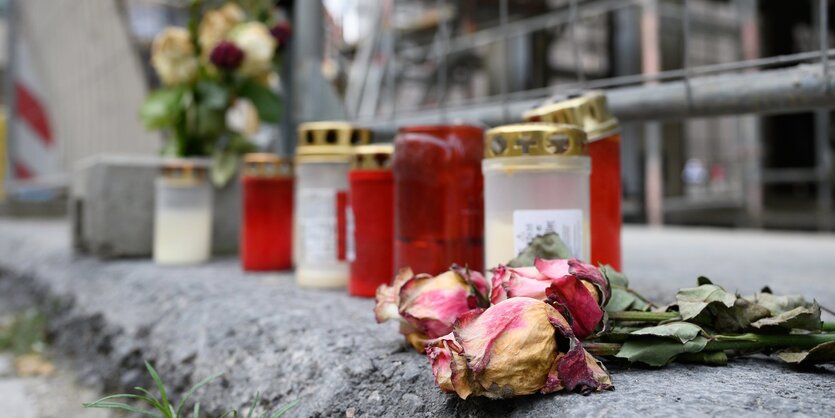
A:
(230, 414)
(151, 399)
(193, 389)
(254, 402)
(196, 410)
(161, 388)
(163, 397)
(283, 410)
(122, 406)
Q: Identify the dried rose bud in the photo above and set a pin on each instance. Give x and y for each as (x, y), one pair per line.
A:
(282, 32)
(579, 289)
(517, 347)
(427, 306)
(227, 56)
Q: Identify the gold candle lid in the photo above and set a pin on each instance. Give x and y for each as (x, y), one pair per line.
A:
(372, 157)
(185, 170)
(588, 111)
(263, 164)
(329, 141)
(531, 139)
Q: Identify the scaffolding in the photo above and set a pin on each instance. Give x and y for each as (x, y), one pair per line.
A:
(719, 72)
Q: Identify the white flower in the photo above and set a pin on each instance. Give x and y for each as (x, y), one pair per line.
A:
(258, 44)
(216, 25)
(172, 56)
(242, 117)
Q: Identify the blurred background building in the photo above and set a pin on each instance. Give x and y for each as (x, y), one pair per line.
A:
(724, 104)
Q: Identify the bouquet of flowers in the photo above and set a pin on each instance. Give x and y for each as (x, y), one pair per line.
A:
(219, 81)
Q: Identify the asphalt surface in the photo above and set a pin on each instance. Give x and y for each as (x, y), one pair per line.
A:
(324, 349)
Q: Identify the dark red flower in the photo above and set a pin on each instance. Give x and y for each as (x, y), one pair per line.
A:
(282, 32)
(227, 56)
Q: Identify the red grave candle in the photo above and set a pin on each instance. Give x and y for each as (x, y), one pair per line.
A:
(590, 112)
(439, 198)
(370, 219)
(267, 222)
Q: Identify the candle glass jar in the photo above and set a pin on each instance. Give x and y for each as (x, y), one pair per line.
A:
(322, 162)
(370, 219)
(590, 112)
(536, 181)
(266, 227)
(183, 213)
(439, 200)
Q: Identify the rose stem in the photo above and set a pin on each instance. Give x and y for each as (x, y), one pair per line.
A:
(734, 342)
(640, 316)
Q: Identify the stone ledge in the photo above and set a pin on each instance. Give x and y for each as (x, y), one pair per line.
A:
(323, 347)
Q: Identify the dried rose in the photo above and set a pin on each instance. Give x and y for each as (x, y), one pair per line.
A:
(227, 56)
(580, 289)
(517, 347)
(173, 58)
(216, 25)
(282, 32)
(427, 306)
(258, 45)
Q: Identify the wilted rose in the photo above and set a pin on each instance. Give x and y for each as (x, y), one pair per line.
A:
(426, 305)
(227, 56)
(258, 45)
(215, 26)
(281, 32)
(519, 346)
(580, 289)
(173, 58)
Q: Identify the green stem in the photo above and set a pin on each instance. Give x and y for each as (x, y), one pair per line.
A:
(640, 316)
(734, 342)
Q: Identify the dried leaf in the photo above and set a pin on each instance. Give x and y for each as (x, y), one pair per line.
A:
(547, 246)
(778, 304)
(682, 331)
(622, 297)
(807, 318)
(737, 318)
(692, 301)
(823, 353)
(31, 365)
(658, 351)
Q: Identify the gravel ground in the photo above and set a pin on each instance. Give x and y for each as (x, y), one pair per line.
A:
(324, 349)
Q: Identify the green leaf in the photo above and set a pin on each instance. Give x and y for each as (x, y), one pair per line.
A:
(821, 354)
(209, 122)
(193, 389)
(622, 297)
(682, 331)
(224, 167)
(806, 318)
(658, 351)
(547, 246)
(283, 410)
(711, 358)
(162, 108)
(692, 301)
(122, 406)
(266, 102)
(212, 95)
(161, 387)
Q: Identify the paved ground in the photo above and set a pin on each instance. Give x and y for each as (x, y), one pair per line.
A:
(323, 347)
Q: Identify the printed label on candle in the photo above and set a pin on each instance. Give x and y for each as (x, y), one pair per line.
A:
(350, 239)
(567, 223)
(318, 225)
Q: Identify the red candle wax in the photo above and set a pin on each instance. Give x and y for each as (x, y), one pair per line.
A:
(371, 198)
(605, 201)
(439, 198)
(267, 224)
